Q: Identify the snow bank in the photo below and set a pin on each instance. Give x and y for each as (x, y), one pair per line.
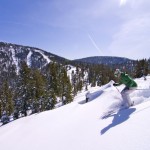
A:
(79, 126)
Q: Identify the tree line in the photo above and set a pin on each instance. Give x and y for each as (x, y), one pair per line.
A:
(33, 89)
(36, 90)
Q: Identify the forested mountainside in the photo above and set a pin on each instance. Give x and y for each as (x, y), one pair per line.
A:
(13, 54)
(36, 80)
(135, 67)
(106, 60)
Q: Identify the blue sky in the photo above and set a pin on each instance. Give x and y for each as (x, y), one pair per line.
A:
(79, 28)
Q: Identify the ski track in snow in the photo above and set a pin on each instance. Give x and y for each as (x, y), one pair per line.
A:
(15, 61)
(44, 56)
(29, 58)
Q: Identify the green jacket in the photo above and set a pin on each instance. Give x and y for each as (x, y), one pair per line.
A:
(127, 80)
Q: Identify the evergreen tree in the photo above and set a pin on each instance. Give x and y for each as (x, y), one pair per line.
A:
(66, 87)
(52, 87)
(0, 108)
(50, 100)
(24, 89)
(74, 81)
(6, 101)
(38, 91)
(141, 68)
(54, 77)
(1, 101)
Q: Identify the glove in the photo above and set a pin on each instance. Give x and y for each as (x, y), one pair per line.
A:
(115, 84)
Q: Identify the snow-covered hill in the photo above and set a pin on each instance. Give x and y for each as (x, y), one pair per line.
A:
(78, 125)
(13, 55)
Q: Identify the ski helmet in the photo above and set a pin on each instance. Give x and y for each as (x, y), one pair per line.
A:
(117, 72)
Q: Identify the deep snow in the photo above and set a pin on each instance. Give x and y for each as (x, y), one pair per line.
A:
(78, 125)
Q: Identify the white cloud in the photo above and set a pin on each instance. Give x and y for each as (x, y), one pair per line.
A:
(133, 39)
(123, 2)
(77, 13)
(120, 26)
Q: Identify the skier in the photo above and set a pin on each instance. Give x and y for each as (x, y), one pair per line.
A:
(87, 96)
(130, 86)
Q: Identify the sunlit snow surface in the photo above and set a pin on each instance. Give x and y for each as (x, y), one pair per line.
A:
(78, 125)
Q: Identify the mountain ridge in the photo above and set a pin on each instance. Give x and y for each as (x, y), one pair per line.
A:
(105, 60)
(93, 59)
(13, 54)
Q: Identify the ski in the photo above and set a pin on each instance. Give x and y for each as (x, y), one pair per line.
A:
(110, 113)
(105, 115)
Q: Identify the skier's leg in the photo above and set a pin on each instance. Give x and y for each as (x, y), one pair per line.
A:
(131, 89)
(125, 97)
(129, 103)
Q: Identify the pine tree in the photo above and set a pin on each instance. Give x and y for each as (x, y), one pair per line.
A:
(69, 96)
(74, 82)
(38, 91)
(24, 89)
(50, 100)
(66, 87)
(52, 87)
(54, 77)
(6, 101)
(141, 68)
(10, 105)
(0, 108)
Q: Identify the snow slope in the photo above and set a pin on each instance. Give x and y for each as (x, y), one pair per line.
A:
(44, 56)
(78, 125)
(15, 61)
(29, 58)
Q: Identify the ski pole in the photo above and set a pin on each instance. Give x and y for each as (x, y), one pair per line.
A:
(142, 89)
(117, 89)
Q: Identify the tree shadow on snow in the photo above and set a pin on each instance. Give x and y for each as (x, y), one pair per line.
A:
(93, 96)
(120, 117)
